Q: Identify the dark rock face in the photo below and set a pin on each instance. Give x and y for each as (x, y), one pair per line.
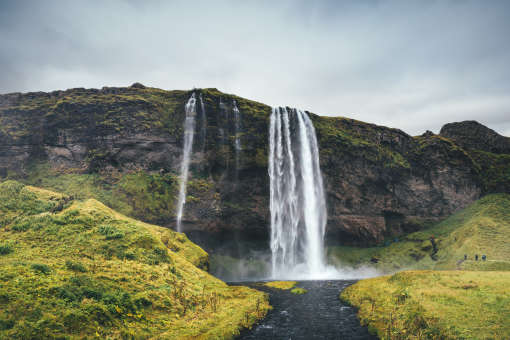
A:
(473, 135)
(380, 182)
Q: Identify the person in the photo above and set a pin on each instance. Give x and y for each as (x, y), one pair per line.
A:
(484, 257)
(476, 257)
(465, 257)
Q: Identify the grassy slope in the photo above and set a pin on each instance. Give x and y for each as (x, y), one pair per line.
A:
(434, 305)
(79, 269)
(481, 228)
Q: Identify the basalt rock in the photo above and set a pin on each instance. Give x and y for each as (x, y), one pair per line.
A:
(472, 135)
(380, 182)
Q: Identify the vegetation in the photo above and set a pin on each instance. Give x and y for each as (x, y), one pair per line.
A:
(434, 305)
(78, 269)
(143, 195)
(339, 134)
(495, 170)
(298, 291)
(471, 303)
(281, 284)
(481, 228)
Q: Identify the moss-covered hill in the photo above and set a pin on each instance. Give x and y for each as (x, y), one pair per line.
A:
(483, 228)
(77, 269)
(123, 147)
(434, 305)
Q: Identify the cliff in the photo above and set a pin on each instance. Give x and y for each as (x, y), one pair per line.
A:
(123, 146)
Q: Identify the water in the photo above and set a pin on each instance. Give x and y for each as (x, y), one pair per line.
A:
(203, 127)
(189, 132)
(237, 140)
(297, 201)
(317, 314)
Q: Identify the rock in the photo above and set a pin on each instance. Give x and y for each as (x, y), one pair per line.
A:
(137, 86)
(380, 182)
(470, 134)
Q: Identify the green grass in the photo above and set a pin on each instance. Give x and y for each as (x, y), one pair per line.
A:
(78, 269)
(298, 291)
(434, 305)
(481, 228)
(281, 284)
(490, 265)
(339, 134)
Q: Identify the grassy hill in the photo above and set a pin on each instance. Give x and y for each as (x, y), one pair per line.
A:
(434, 305)
(77, 269)
(481, 228)
(472, 303)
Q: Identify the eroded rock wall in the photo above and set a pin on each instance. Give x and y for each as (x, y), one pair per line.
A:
(380, 182)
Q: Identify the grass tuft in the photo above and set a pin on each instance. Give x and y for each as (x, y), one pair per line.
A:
(280, 284)
(298, 291)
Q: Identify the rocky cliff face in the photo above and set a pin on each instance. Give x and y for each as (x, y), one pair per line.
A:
(472, 135)
(123, 146)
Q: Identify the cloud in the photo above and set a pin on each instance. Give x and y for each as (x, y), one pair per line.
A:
(411, 65)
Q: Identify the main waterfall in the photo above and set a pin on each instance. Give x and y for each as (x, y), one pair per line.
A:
(297, 201)
(189, 132)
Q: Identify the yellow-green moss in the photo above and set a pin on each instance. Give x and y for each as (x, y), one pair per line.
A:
(298, 291)
(81, 270)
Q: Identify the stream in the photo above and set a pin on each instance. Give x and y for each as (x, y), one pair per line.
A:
(317, 314)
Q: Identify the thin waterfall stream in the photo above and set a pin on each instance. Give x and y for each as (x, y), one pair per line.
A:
(203, 122)
(189, 132)
(237, 141)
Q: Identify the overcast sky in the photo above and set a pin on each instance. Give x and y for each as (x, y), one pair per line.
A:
(414, 65)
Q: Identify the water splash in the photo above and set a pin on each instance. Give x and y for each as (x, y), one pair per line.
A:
(297, 200)
(189, 132)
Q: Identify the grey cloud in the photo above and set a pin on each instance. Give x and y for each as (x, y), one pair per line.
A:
(411, 65)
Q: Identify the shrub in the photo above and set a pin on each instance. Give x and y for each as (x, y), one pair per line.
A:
(6, 248)
(110, 232)
(76, 266)
(142, 301)
(74, 319)
(22, 225)
(157, 256)
(41, 268)
(99, 313)
(6, 324)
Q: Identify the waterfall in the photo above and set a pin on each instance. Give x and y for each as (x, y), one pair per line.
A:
(237, 131)
(297, 200)
(203, 127)
(189, 132)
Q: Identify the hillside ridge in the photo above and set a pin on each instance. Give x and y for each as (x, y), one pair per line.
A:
(123, 146)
